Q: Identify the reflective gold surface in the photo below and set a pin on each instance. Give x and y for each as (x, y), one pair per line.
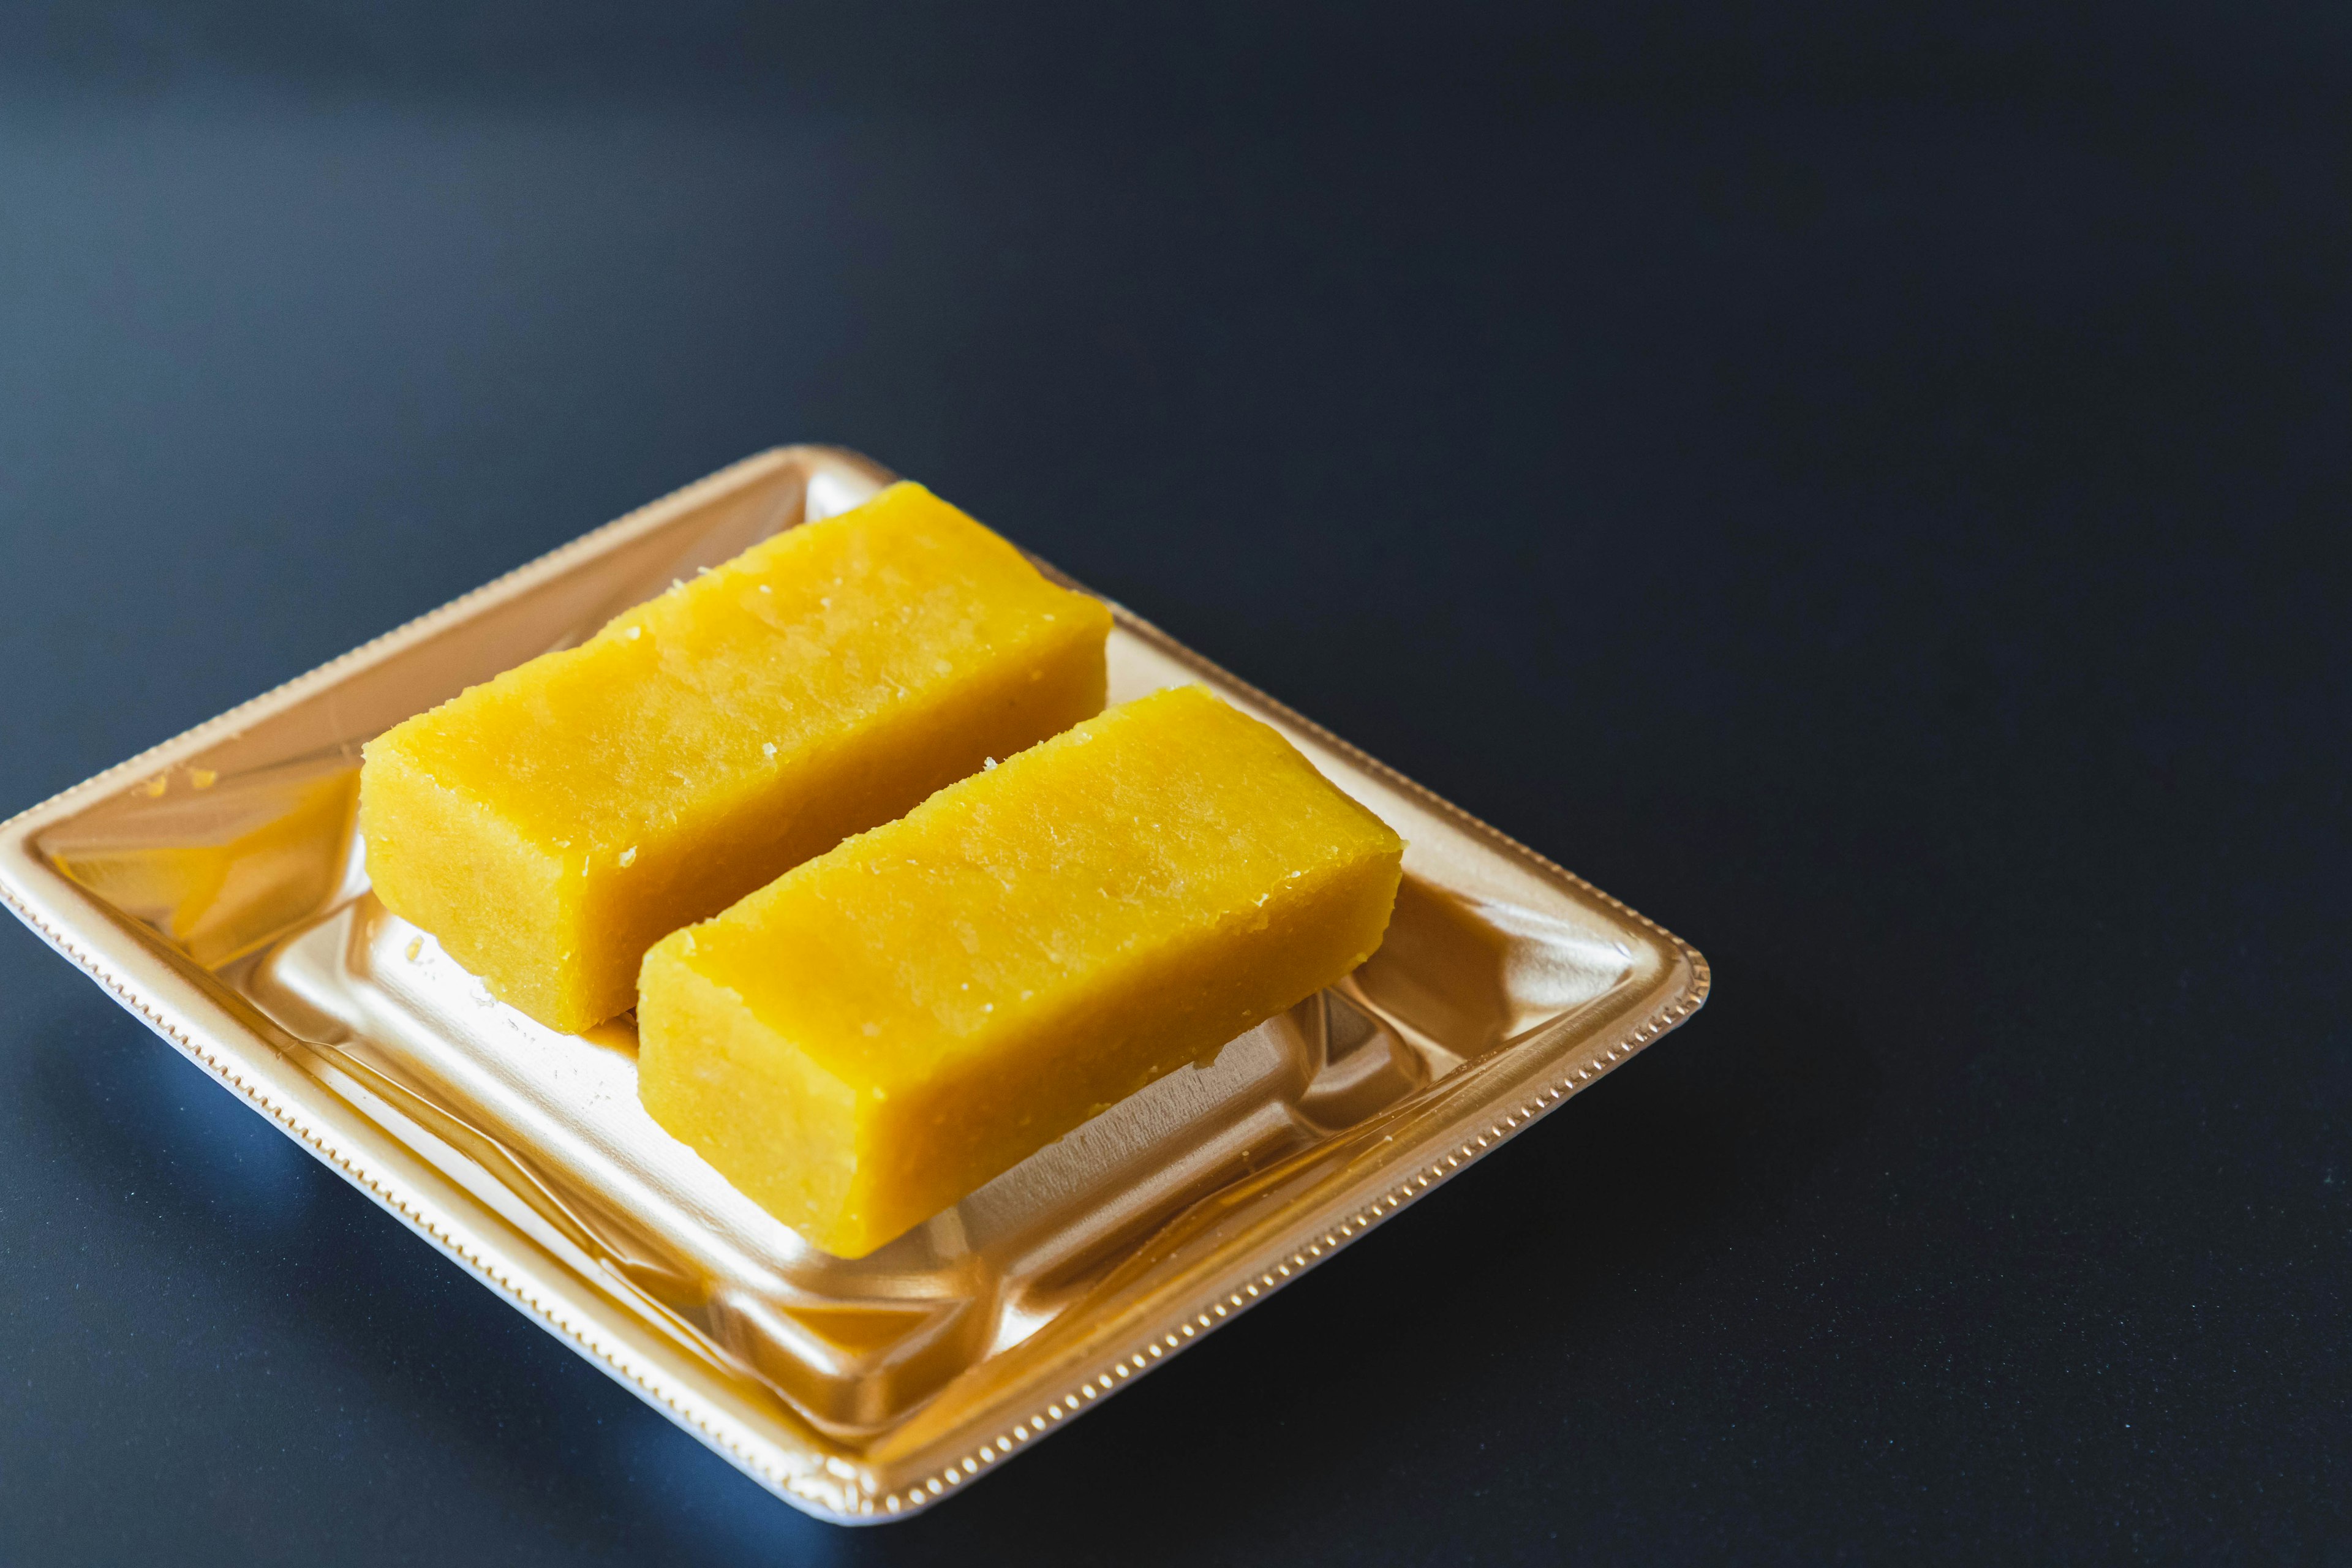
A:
(216, 887)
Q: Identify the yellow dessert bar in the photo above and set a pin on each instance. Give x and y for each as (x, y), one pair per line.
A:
(550, 825)
(869, 1037)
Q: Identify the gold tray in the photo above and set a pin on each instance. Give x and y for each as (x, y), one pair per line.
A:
(215, 888)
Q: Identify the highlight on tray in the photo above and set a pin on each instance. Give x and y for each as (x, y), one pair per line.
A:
(947, 914)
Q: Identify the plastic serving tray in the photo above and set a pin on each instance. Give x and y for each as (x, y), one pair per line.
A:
(214, 887)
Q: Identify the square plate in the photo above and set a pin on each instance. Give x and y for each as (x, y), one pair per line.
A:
(215, 887)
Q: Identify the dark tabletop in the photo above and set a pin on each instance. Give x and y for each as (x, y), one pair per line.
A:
(1872, 496)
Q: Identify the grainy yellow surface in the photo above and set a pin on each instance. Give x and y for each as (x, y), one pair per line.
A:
(872, 1036)
(550, 825)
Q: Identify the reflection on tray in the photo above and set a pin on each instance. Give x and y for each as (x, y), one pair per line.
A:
(218, 868)
(547, 1126)
(854, 1346)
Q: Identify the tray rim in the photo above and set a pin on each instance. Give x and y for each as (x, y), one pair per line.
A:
(84, 931)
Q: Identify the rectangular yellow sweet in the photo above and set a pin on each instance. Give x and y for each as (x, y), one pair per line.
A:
(875, 1033)
(550, 825)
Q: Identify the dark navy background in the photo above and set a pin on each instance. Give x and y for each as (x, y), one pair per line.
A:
(1869, 488)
